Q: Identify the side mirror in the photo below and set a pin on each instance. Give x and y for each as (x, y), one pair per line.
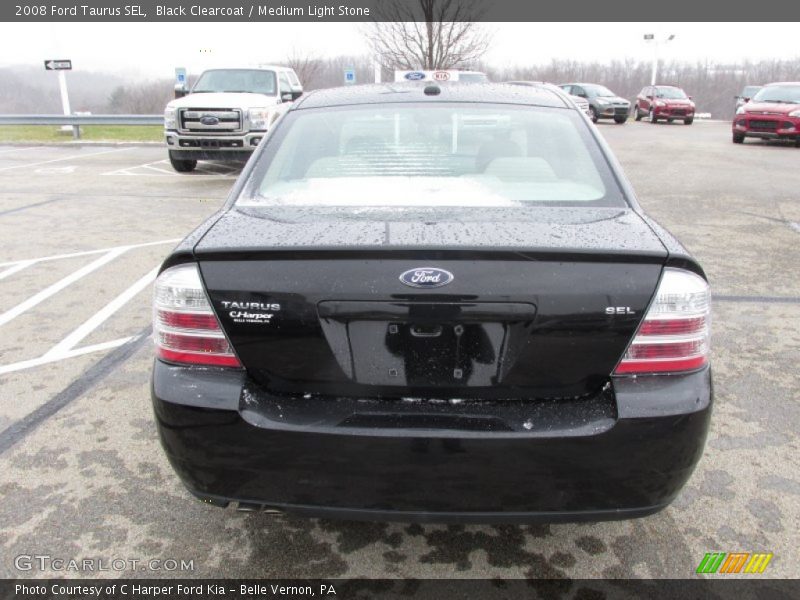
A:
(689, 97)
(296, 94)
(649, 97)
(287, 97)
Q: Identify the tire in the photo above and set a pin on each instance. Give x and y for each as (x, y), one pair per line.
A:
(620, 120)
(182, 165)
(593, 114)
(637, 116)
(797, 143)
(738, 138)
(688, 121)
(651, 116)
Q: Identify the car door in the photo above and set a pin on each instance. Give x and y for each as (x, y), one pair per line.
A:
(644, 99)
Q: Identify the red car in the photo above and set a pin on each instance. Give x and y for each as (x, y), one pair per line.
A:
(772, 114)
(663, 102)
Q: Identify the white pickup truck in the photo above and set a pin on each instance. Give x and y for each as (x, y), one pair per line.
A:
(227, 113)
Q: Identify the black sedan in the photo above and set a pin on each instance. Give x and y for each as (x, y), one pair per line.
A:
(428, 303)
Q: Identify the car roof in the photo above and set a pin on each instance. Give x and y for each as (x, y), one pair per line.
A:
(781, 83)
(675, 87)
(477, 93)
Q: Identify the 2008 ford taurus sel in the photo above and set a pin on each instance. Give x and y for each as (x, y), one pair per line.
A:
(435, 304)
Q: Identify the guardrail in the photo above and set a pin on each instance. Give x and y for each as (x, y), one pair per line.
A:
(77, 120)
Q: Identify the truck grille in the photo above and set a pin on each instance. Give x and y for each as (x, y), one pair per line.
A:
(211, 121)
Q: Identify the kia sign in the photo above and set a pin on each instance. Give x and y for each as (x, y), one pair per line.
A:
(58, 65)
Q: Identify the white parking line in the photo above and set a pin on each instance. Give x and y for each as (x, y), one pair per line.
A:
(68, 343)
(16, 268)
(72, 157)
(43, 360)
(60, 285)
(88, 252)
(154, 169)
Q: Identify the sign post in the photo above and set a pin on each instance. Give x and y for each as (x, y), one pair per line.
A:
(62, 65)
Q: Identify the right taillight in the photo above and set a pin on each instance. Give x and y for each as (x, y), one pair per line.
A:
(675, 334)
(185, 328)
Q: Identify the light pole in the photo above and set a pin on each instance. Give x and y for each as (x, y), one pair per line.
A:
(651, 38)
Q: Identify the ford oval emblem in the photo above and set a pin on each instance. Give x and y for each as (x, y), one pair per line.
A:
(415, 76)
(426, 277)
(209, 120)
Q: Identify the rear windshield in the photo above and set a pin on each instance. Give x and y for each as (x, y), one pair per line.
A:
(412, 155)
(257, 81)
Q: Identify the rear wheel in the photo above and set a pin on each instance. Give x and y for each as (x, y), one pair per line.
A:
(738, 138)
(593, 114)
(182, 165)
(688, 121)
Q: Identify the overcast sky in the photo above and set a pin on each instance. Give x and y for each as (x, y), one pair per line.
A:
(153, 50)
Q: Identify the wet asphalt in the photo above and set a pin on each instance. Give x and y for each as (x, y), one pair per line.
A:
(82, 474)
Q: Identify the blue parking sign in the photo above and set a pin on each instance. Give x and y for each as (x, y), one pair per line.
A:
(349, 76)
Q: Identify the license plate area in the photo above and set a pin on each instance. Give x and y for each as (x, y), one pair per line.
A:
(418, 345)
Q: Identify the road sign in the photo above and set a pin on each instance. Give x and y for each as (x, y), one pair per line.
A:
(180, 78)
(62, 64)
(349, 76)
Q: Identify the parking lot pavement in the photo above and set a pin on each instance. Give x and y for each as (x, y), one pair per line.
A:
(82, 474)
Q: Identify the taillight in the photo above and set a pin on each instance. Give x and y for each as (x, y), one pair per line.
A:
(675, 334)
(185, 329)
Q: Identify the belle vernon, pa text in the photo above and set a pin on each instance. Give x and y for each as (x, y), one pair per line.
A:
(169, 591)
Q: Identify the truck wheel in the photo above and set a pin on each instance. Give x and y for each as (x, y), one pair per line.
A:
(738, 138)
(182, 165)
(688, 121)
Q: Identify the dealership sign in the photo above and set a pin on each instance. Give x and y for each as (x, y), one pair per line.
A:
(419, 75)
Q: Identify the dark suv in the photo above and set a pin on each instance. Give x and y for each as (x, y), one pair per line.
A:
(664, 102)
(603, 103)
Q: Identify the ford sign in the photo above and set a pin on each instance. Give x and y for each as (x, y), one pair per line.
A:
(415, 76)
(426, 277)
(209, 120)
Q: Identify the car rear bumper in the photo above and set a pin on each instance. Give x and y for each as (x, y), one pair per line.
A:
(625, 453)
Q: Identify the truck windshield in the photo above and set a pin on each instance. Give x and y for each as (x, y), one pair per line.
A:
(457, 155)
(256, 81)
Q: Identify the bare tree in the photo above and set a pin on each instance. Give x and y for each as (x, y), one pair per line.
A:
(428, 34)
(307, 67)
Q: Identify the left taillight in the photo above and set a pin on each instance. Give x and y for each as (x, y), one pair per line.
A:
(185, 328)
(674, 336)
